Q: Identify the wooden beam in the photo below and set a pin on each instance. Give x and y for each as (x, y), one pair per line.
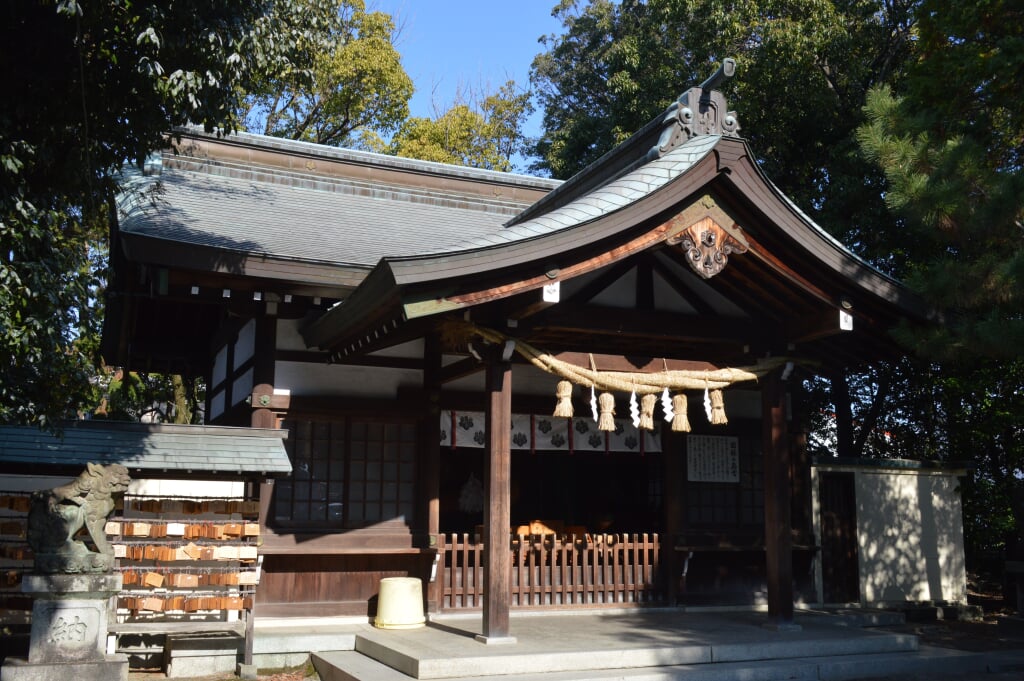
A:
(761, 253)
(379, 361)
(594, 320)
(807, 330)
(498, 511)
(460, 369)
(621, 252)
(633, 363)
(778, 532)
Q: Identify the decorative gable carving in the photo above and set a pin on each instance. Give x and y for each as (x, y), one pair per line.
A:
(699, 232)
(708, 246)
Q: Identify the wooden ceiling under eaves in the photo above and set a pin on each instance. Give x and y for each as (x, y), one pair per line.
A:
(654, 306)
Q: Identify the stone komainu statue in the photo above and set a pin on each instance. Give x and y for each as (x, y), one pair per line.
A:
(57, 515)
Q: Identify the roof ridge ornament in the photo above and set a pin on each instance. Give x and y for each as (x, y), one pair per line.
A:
(701, 110)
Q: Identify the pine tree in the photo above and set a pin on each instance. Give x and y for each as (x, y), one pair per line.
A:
(950, 144)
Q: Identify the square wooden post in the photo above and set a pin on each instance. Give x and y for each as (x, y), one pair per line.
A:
(673, 454)
(778, 533)
(263, 372)
(498, 511)
(429, 473)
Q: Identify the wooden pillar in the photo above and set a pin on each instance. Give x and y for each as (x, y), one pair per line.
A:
(673, 452)
(430, 451)
(429, 473)
(264, 364)
(498, 511)
(778, 534)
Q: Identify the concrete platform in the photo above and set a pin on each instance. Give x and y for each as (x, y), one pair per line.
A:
(647, 645)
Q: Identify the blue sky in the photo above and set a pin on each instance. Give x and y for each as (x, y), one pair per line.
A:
(476, 44)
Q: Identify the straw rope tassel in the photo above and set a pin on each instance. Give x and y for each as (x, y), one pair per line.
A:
(563, 392)
(647, 403)
(718, 409)
(681, 422)
(606, 421)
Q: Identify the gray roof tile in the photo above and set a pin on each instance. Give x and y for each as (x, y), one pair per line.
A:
(289, 215)
(615, 194)
(149, 447)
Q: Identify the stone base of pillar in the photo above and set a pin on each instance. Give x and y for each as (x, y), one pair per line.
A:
(495, 640)
(246, 671)
(782, 626)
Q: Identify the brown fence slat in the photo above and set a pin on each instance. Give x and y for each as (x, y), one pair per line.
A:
(563, 566)
(554, 571)
(478, 573)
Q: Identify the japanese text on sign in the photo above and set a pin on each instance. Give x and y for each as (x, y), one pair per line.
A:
(712, 458)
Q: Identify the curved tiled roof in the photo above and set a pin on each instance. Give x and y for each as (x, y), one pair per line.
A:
(606, 199)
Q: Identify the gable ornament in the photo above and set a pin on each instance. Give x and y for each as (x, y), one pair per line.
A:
(707, 246)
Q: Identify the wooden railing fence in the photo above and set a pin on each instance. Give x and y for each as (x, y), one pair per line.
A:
(555, 571)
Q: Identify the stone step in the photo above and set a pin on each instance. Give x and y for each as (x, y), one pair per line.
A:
(433, 660)
(862, 617)
(353, 666)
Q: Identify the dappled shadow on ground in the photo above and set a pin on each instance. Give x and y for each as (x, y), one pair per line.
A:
(998, 630)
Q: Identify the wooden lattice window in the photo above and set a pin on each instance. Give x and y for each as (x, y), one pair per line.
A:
(724, 505)
(347, 472)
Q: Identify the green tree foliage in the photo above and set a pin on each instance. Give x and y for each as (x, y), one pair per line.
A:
(357, 84)
(156, 398)
(949, 137)
(89, 87)
(483, 136)
(950, 141)
(803, 70)
(952, 412)
(945, 153)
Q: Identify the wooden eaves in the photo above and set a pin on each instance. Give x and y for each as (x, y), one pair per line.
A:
(792, 265)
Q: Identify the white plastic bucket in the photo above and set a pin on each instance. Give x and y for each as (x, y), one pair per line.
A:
(400, 603)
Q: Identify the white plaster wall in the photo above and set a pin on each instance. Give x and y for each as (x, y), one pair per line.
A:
(227, 489)
(288, 336)
(216, 489)
(311, 379)
(245, 346)
(910, 537)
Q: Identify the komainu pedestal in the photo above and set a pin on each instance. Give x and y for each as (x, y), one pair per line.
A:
(69, 630)
(73, 582)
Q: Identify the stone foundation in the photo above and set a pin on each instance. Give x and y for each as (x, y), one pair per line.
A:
(69, 630)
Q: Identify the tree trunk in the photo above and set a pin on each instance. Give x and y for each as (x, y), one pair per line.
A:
(844, 414)
(182, 408)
